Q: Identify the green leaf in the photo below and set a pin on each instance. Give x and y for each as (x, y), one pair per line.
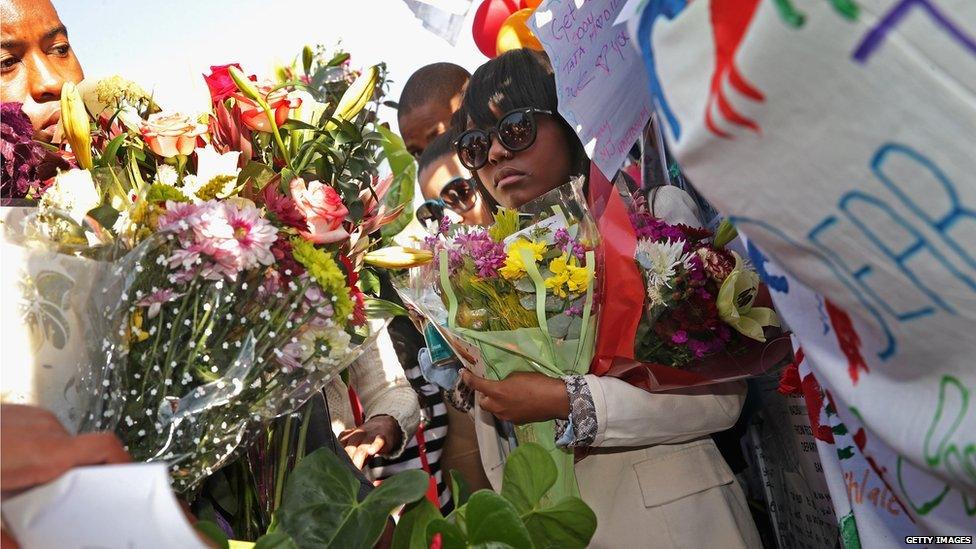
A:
(111, 150)
(567, 524)
(105, 215)
(459, 487)
(339, 59)
(491, 518)
(320, 506)
(255, 173)
(404, 183)
(292, 124)
(411, 531)
(529, 473)
(369, 281)
(381, 308)
(451, 536)
(275, 540)
(159, 192)
(307, 57)
(212, 532)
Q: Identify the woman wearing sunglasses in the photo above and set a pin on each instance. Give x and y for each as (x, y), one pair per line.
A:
(651, 473)
(446, 184)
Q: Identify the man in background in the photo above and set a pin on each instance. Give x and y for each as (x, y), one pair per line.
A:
(35, 62)
(429, 99)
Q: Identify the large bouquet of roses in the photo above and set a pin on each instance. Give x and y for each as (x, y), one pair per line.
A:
(230, 246)
(517, 296)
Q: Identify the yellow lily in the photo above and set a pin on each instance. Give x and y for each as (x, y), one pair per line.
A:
(356, 96)
(735, 300)
(398, 257)
(74, 120)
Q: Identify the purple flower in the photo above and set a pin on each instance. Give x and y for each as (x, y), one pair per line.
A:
(699, 348)
(488, 256)
(568, 244)
(679, 337)
(574, 310)
(24, 163)
(156, 300)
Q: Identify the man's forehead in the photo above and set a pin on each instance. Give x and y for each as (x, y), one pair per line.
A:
(28, 19)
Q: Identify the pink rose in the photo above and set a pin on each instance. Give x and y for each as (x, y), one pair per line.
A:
(323, 210)
(220, 83)
(280, 102)
(171, 134)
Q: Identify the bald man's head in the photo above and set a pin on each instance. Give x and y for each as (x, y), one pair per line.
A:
(429, 99)
(36, 60)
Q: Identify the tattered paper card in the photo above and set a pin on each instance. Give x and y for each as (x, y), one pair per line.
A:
(127, 506)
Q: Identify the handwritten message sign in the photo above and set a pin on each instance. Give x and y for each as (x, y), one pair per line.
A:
(600, 76)
(822, 131)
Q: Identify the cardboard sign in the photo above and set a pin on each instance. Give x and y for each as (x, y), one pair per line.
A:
(600, 77)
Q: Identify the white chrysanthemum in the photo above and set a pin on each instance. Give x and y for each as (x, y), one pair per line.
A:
(123, 222)
(660, 260)
(73, 193)
(166, 175)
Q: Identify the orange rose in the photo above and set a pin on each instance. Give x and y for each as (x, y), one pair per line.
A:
(323, 210)
(280, 102)
(171, 134)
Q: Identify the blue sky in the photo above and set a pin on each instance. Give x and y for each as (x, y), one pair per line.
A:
(166, 45)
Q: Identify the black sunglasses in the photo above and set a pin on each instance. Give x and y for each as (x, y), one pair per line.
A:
(459, 194)
(516, 132)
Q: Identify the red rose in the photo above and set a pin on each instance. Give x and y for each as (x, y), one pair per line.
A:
(220, 83)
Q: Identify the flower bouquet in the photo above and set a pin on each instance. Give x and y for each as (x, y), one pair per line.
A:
(229, 248)
(519, 295)
(685, 308)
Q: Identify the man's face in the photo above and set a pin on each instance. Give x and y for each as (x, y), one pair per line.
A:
(36, 60)
(425, 122)
(433, 178)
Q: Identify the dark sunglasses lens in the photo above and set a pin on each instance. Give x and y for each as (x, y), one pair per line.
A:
(429, 211)
(517, 131)
(472, 149)
(459, 194)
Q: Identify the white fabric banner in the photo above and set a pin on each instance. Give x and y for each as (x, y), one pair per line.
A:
(839, 136)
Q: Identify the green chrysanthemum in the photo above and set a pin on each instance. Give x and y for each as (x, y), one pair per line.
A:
(327, 274)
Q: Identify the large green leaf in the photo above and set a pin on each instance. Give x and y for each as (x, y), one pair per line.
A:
(404, 180)
(459, 488)
(567, 524)
(321, 509)
(529, 473)
(411, 531)
(275, 540)
(213, 533)
(491, 518)
(451, 536)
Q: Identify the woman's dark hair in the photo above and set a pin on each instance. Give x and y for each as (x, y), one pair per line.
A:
(513, 80)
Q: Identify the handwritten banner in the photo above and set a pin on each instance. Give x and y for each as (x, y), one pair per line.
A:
(600, 76)
(838, 136)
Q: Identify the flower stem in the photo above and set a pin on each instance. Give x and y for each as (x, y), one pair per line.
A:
(282, 464)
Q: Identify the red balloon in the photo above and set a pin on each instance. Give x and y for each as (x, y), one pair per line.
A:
(487, 20)
(529, 4)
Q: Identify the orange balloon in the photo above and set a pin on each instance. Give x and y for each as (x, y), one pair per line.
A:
(530, 4)
(488, 18)
(515, 33)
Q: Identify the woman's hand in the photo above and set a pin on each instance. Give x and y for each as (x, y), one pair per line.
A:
(38, 449)
(375, 435)
(522, 397)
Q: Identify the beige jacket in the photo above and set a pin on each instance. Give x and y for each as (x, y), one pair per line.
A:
(382, 387)
(654, 477)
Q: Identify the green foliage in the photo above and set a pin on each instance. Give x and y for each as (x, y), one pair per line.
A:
(459, 488)
(404, 180)
(518, 517)
(212, 533)
(275, 540)
(412, 529)
(321, 508)
(506, 223)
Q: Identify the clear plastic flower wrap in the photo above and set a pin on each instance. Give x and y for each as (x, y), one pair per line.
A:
(201, 333)
(518, 296)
